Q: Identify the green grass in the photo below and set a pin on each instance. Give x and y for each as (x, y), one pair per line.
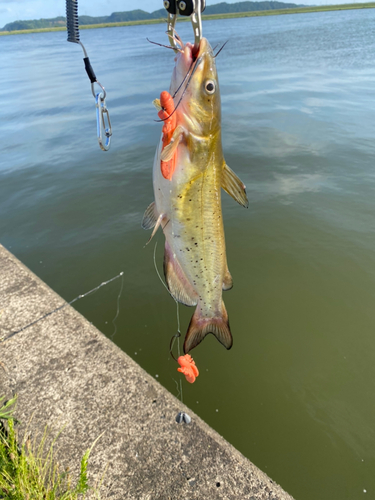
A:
(6, 411)
(29, 471)
(275, 12)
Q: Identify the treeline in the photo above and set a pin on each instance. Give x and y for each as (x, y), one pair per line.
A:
(140, 15)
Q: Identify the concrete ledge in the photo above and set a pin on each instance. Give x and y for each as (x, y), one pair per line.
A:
(66, 372)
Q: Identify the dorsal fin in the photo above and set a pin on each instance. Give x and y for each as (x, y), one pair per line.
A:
(150, 217)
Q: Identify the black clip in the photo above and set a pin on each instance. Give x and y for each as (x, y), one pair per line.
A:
(170, 6)
(189, 7)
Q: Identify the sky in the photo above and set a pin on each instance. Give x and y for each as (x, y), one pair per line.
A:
(15, 10)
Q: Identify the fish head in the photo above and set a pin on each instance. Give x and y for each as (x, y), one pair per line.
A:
(195, 83)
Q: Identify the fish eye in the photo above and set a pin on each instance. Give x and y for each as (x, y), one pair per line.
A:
(209, 87)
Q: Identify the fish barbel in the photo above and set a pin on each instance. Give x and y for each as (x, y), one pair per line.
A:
(188, 175)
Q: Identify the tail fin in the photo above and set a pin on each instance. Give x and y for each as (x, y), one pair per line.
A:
(200, 327)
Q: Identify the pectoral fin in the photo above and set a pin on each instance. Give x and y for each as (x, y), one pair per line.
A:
(233, 185)
(170, 149)
(178, 285)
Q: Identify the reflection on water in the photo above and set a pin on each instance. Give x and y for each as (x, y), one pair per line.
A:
(295, 394)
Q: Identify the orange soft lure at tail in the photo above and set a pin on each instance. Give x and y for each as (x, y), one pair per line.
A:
(167, 104)
(188, 368)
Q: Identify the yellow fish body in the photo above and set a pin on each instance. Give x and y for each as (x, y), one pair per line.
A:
(188, 206)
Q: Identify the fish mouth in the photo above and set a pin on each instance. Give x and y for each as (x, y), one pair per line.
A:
(187, 57)
(191, 54)
(188, 63)
(184, 62)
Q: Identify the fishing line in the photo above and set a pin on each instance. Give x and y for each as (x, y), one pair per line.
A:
(179, 390)
(118, 306)
(178, 334)
(157, 272)
(3, 339)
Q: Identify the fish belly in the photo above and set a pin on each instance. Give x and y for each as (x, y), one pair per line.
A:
(194, 229)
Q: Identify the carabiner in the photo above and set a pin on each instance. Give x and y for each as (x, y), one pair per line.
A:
(101, 111)
(72, 25)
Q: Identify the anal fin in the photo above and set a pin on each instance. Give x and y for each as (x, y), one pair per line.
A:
(233, 185)
(178, 285)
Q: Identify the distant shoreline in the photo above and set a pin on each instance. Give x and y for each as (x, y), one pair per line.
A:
(274, 12)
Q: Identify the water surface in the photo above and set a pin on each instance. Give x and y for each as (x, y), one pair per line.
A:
(296, 392)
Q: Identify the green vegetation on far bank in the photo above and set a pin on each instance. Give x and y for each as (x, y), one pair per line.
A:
(141, 15)
(230, 15)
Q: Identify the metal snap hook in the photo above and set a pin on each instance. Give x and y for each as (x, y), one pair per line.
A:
(72, 22)
(101, 116)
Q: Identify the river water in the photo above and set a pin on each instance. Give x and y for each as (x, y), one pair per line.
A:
(296, 392)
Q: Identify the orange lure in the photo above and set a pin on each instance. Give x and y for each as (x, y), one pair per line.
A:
(169, 125)
(188, 368)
